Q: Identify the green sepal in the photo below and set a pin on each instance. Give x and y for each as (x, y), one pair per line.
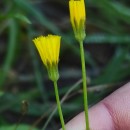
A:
(80, 31)
(53, 72)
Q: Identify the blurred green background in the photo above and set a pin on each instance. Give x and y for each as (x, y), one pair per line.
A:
(27, 97)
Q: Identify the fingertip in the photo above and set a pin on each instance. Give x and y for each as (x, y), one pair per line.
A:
(110, 113)
(99, 119)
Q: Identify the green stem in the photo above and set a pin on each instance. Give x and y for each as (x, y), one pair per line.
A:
(59, 105)
(84, 84)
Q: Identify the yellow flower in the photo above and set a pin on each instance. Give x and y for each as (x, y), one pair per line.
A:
(49, 48)
(78, 18)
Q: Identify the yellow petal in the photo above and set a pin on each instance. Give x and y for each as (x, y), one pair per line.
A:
(48, 48)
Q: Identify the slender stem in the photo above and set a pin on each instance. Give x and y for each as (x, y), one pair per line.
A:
(84, 84)
(59, 105)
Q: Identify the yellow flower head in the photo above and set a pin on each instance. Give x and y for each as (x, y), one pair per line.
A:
(78, 17)
(49, 48)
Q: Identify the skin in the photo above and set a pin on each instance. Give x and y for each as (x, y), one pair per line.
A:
(112, 113)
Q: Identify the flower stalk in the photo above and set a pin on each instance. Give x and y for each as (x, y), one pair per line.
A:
(84, 84)
(59, 105)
